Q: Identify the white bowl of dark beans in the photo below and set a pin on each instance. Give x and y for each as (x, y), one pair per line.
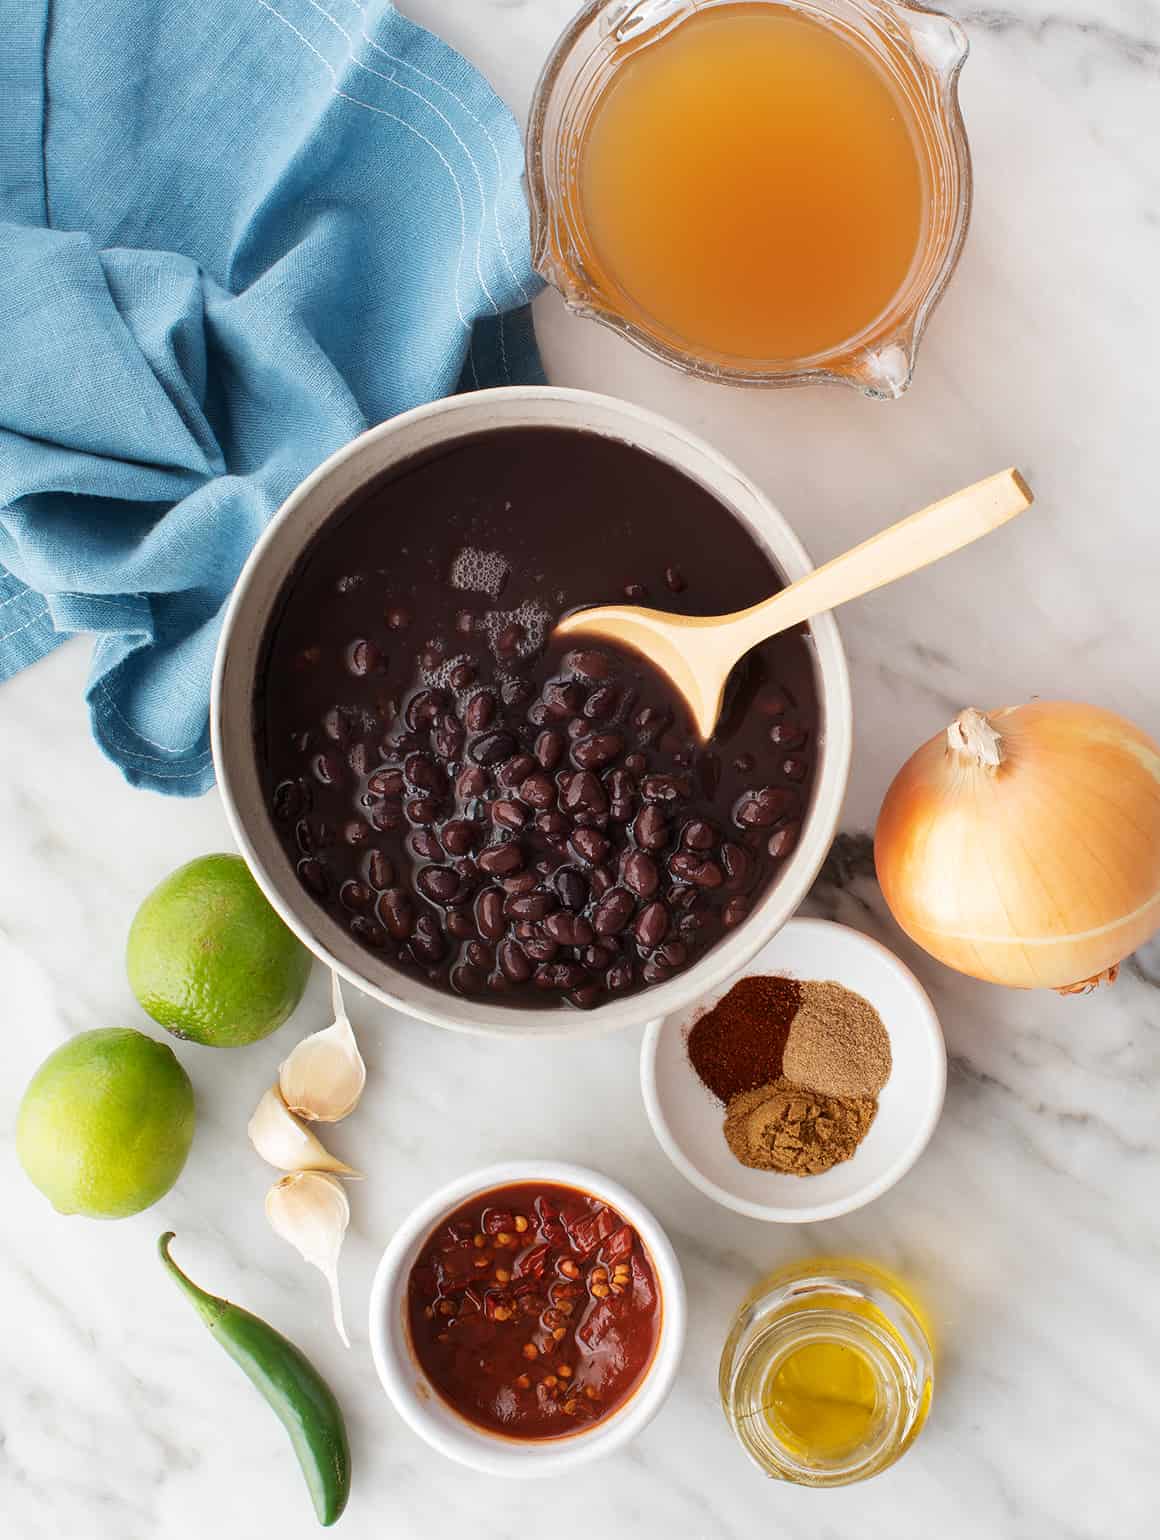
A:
(463, 817)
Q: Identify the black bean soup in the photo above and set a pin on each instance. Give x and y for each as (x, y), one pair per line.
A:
(509, 817)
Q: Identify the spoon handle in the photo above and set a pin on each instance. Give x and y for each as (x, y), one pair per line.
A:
(913, 542)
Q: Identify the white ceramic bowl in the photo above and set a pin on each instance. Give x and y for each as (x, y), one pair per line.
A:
(432, 1419)
(274, 559)
(687, 1118)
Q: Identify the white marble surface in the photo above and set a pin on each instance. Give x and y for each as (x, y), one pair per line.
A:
(1032, 1222)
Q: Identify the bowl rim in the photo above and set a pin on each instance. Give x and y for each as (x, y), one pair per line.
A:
(926, 1021)
(453, 1435)
(466, 415)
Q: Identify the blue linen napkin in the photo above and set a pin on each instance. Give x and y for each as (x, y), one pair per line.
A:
(233, 233)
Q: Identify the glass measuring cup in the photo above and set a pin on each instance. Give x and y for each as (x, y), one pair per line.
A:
(919, 50)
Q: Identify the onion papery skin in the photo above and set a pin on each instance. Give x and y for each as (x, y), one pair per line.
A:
(1043, 873)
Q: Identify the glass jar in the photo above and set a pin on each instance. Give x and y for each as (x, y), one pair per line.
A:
(921, 51)
(827, 1374)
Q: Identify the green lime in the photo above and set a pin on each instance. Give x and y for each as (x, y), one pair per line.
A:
(106, 1123)
(210, 960)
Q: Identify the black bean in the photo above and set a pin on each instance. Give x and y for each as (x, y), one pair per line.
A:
(397, 912)
(508, 815)
(509, 639)
(422, 810)
(423, 773)
(674, 954)
(540, 949)
(651, 722)
(398, 617)
(637, 763)
(567, 928)
(639, 874)
(387, 816)
(664, 788)
(650, 829)
(675, 580)
(762, 808)
(795, 768)
(584, 792)
(438, 883)
(601, 879)
(562, 975)
(363, 658)
(553, 825)
(471, 782)
(287, 801)
(530, 906)
(458, 836)
(538, 790)
(637, 592)
(516, 692)
(425, 844)
(328, 769)
(652, 925)
(468, 980)
(479, 955)
(460, 924)
(355, 895)
(489, 914)
(516, 770)
(588, 663)
(783, 840)
(619, 977)
(788, 734)
(513, 960)
(386, 782)
(447, 736)
(772, 702)
(734, 912)
(596, 750)
(462, 675)
(744, 763)
(602, 704)
(736, 865)
(613, 912)
(431, 657)
(550, 747)
(571, 887)
(599, 955)
(492, 748)
(313, 875)
(690, 866)
(698, 835)
(654, 971)
(538, 714)
(501, 860)
(589, 845)
(368, 932)
(428, 941)
(563, 698)
(480, 711)
(584, 999)
(422, 709)
(380, 870)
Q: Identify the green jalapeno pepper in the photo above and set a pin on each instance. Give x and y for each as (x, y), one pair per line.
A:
(290, 1383)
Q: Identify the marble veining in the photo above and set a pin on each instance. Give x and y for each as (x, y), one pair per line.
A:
(1031, 1224)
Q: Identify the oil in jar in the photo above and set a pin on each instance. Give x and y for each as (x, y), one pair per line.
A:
(828, 1372)
(750, 185)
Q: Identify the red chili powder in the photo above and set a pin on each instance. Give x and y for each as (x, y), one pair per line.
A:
(738, 1045)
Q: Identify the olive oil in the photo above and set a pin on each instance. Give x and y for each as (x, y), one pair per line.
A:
(827, 1374)
(751, 186)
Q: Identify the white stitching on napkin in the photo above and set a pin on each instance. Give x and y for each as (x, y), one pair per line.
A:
(382, 112)
(479, 123)
(103, 687)
(427, 102)
(4, 635)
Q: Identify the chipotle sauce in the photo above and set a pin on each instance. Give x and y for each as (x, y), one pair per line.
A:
(534, 1310)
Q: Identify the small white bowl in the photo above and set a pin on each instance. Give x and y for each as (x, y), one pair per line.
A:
(420, 1405)
(687, 1118)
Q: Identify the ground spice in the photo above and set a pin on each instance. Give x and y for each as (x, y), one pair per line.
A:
(781, 1127)
(837, 1044)
(738, 1045)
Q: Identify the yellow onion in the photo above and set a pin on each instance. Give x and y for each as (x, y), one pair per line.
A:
(1023, 845)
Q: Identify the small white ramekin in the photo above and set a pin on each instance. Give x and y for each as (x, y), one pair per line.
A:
(420, 1405)
(237, 670)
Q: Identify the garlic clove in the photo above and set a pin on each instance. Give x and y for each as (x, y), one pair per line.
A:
(324, 1076)
(281, 1139)
(310, 1210)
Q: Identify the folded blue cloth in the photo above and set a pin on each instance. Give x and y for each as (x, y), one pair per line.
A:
(232, 235)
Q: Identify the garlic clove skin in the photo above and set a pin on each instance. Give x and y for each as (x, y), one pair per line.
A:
(287, 1144)
(323, 1078)
(310, 1210)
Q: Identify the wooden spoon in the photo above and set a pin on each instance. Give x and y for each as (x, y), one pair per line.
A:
(697, 652)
